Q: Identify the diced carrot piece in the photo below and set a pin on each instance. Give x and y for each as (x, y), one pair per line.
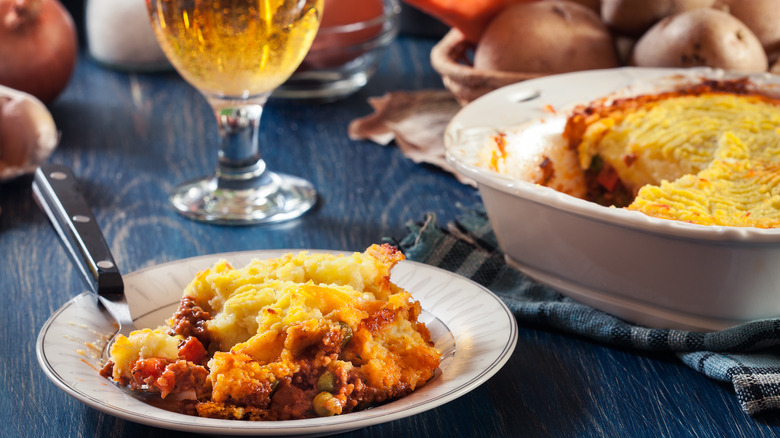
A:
(608, 178)
(192, 350)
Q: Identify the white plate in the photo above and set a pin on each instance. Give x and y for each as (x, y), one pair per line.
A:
(472, 327)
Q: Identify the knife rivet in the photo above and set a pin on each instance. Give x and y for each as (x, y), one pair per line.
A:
(58, 175)
(80, 218)
(105, 264)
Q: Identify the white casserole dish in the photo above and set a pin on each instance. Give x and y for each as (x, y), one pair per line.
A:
(655, 272)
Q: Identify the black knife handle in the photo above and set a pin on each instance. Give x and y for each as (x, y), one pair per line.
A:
(57, 193)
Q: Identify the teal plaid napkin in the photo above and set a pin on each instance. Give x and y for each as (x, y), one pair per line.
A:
(740, 355)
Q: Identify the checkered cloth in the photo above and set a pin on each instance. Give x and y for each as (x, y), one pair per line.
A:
(745, 355)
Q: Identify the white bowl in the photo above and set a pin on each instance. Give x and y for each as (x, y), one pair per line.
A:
(655, 272)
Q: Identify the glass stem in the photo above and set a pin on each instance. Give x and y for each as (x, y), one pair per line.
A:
(240, 163)
(242, 191)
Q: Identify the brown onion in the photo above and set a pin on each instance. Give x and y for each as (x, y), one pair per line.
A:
(38, 47)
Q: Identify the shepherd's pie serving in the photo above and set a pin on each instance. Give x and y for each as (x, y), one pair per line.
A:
(299, 336)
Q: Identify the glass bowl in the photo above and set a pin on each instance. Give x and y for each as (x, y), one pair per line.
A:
(343, 58)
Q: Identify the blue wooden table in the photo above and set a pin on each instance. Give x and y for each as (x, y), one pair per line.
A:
(131, 137)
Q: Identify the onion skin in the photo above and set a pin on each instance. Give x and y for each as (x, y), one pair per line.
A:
(38, 46)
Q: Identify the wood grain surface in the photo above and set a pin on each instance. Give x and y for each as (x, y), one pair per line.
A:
(131, 137)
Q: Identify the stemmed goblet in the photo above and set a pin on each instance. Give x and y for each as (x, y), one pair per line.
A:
(236, 52)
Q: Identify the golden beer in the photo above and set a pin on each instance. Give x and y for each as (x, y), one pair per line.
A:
(235, 48)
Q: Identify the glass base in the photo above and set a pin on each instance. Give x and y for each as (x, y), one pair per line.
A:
(282, 198)
(321, 86)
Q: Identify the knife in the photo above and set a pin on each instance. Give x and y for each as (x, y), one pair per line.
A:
(57, 193)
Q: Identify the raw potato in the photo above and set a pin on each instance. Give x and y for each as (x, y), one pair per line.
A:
(760, 16)
(634, 17)
(591, 4)
(546, 37)
(701, 37)
(28, 134)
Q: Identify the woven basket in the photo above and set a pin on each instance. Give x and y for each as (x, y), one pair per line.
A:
(450, 58)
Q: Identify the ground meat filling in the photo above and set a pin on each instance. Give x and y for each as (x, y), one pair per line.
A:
(189, 372)
(335, 388)
(604, 186)
(291, 397)
(168, 377)
(190, 320)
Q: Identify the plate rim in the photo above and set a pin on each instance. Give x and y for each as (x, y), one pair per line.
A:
(310, 427)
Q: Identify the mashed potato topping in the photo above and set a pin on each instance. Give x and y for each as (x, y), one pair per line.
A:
(733, 193)
(705, 154)
(664, 140)
(299, 336)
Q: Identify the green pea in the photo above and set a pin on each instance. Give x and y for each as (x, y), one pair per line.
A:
(319, 404)
(596, 163)
(272, 387)
(327, 382)
(347, 333)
